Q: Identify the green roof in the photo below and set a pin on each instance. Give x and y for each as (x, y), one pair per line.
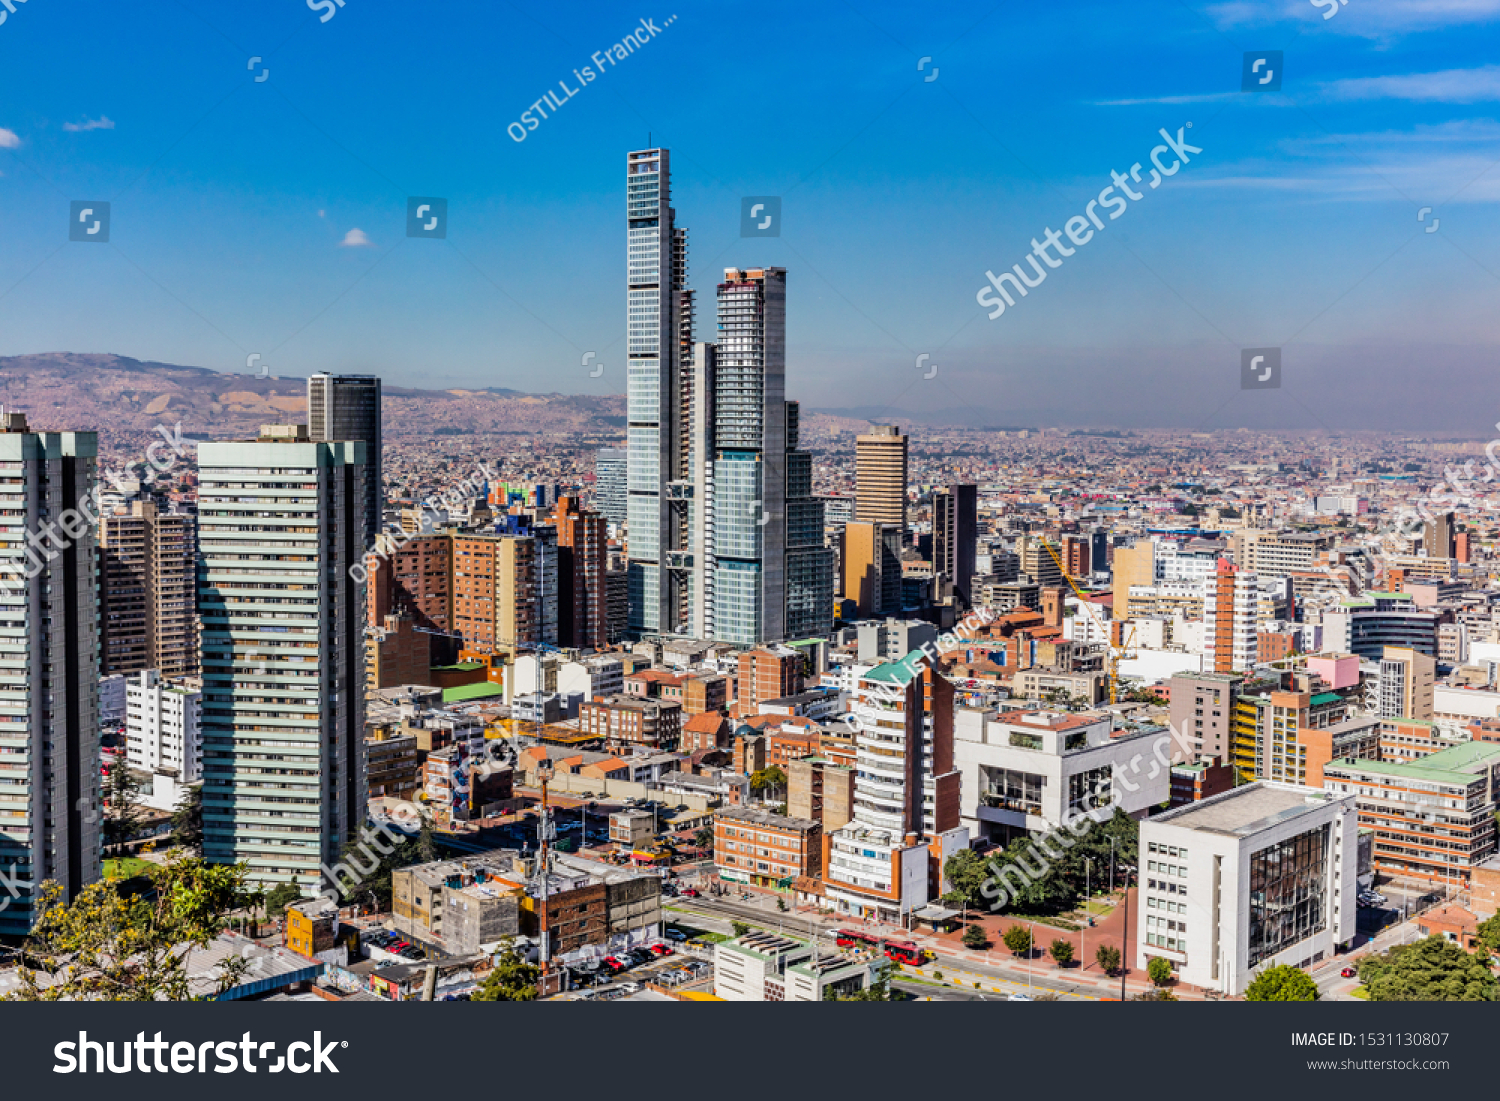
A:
(898, 672)
(1455, 765)
(461, 667)
(1325, 697)
(484, 690)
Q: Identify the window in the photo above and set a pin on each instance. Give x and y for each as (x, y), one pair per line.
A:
(1286, 893)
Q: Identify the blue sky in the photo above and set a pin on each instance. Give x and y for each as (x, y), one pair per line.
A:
(234, 202)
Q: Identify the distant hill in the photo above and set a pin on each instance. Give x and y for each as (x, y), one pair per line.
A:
(117, 394)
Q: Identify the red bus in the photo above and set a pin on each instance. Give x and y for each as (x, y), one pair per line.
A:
(904, 951)
(852, 938)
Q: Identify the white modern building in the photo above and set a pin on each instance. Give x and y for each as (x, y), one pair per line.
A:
(282, 596)
(49, 666)
(769, 967)
(1261, 875)
(163, 735)
(1025, 772)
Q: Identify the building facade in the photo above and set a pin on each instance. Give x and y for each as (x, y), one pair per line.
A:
(347, 407)
(282, 523)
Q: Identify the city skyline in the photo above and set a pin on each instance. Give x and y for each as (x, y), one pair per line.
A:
(1296, 227)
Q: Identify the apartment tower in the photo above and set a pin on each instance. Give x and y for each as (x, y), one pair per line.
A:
(955, 536)
(49, 652)
(147, 591)
(282, 526)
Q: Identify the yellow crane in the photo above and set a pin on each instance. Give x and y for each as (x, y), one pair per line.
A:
(1113, 653)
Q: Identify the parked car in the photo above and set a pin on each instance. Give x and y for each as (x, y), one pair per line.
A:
(675, 934)
(661, 950)
(630, 987)
(1019, 997)
(1348, 973)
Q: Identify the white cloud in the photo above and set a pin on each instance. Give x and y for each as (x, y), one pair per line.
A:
(1448, 86)
(8, 139)
(103, 122)
(356, 238)
(1205, 97)
(1375, 18)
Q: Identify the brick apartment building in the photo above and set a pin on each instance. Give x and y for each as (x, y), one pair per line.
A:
(771, 850)
(629, 720)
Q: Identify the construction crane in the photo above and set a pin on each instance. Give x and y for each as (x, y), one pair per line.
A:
(1113, 653)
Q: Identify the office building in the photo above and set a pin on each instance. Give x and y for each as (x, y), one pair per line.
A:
(1262, 875)
(582, 562)
(1439, 537)
(282, 520)
(870, 568)
(809, 564)
(955, 537)
(750, 466)
(880, 476)
(347, 407)
(1026, 772)
(770, 967)
(1366, 625)
(1037, 561)
(887, 861)
(49, 667)
(656, 289)
(1076, 555)
(147, 585)
(1433, 817)
(164, 736)
(609, 484)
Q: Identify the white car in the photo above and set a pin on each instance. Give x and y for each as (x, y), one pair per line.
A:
(631, 987)
(1019, 997)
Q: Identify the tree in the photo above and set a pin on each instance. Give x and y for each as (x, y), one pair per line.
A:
(1160, 995)
(1431, 970)
(767, 779)
(1489, 929)
(967, 871)
(187, 821)
(279, 897)
(1282, 983)
(975, 937)
(704, 838)
(740, 928)
(104, 946)
(513, 979)
(1062, 952)
(1108, 958)
(1018, 939)
(1159, 971)
(123, 813)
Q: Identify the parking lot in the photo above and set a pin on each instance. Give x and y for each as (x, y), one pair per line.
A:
(673, 971)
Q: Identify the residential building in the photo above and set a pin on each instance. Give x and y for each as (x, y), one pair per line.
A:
(1200, 780)
(1433, 817)
(1405, 684)
(281, 522)
(768, 850)
(459, 904)
(505, 590)
(821, 790)
(1439, 536)
(343, 408)
(49, 666)
(1262, 875)
(892, 639)
(768, 673)
(147, 579)
(582, 562)
(393, 764)
(1202, 712)
(887, 860)
(164, 735)
(629, 720)
(1230, 620)
(880, 457)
